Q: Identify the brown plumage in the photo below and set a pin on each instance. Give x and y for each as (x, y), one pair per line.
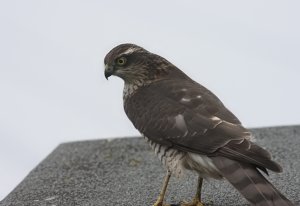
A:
(189, 127)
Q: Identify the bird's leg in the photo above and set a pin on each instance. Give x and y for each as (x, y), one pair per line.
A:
(197, 199)
(160, 199)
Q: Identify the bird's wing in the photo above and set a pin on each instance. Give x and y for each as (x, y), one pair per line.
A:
(187, 116)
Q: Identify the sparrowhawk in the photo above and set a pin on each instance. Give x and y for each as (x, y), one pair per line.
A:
(189, 128)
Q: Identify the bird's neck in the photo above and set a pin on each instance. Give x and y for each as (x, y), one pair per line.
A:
(131, 87)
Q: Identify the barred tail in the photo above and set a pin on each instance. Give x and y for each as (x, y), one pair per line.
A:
(250, 183)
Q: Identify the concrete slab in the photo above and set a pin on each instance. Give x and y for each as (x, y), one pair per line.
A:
(126, 172)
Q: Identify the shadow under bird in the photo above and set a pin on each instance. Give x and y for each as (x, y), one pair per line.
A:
(189, 128)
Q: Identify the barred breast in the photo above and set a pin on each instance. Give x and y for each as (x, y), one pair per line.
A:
(177, 162)
(171, 158)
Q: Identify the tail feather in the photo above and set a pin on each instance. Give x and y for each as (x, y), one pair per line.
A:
(250, 183)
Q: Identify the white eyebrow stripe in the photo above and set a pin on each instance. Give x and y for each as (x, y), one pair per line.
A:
(130, 50)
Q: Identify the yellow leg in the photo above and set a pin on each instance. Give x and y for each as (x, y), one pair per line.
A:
(197, 199)
(160, 199)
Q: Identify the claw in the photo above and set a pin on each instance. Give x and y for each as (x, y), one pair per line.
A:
(160, 204)
(193, 203)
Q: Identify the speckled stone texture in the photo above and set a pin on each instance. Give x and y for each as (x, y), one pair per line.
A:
(126, 172)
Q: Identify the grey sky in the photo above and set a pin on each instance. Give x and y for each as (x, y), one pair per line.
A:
(51, 70)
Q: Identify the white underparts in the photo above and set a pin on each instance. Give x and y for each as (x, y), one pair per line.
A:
(203, 165)
(172, 159)
(128, 90)
(178, 161)
(131, 88)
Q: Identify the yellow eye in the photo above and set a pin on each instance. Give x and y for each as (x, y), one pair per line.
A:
(121, 61)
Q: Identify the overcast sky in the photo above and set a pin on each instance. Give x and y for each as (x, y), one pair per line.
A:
(52, 86)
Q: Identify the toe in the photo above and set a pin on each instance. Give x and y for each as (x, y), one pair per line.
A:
(194, 203)
(160, 204)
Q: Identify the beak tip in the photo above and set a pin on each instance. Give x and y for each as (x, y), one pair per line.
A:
(107, 75)
(108, 71)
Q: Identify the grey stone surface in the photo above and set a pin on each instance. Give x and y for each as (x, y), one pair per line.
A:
(126, 172)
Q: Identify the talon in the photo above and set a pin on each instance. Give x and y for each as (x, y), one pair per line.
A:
(193, 203)
(160, 204)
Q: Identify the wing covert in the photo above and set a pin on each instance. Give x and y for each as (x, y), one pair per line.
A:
(186, 115)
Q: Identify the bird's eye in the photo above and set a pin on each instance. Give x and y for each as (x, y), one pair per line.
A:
(121, 61)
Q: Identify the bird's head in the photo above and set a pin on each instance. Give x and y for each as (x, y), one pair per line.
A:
(133, 63)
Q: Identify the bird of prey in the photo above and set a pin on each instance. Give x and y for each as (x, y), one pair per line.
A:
(189, 128)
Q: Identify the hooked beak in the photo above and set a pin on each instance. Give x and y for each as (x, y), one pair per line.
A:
(109, 70)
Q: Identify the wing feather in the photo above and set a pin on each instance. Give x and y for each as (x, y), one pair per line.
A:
(187, 116)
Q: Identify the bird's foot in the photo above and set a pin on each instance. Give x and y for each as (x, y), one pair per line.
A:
(159, 203)
(195, 202)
